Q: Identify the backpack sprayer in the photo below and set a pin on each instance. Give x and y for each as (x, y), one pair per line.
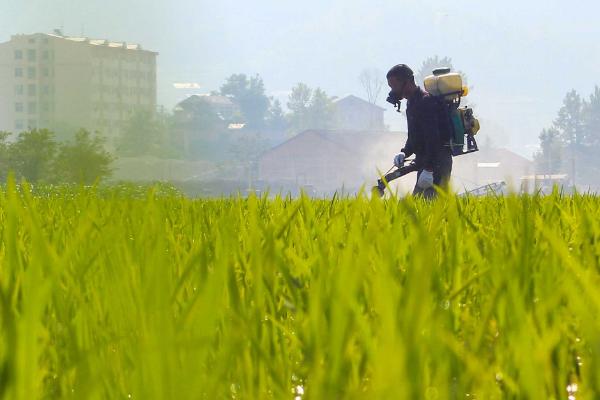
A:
(458, 124)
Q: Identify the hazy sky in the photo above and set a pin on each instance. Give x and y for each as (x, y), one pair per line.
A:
(521, 57)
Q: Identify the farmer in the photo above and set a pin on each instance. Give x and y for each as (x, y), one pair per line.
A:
(432, 154)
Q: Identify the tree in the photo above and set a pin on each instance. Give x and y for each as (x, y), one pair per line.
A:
(4, 159)
(372, 82)
(570, 121)
(142, 134)
(250, 96)
(276, 118)
(83, 160)
(321, 110)
(591, 120)
(571, 127)
(549, 159)
(246, 149)
(309, 109)
(32, 154)
(298, 104)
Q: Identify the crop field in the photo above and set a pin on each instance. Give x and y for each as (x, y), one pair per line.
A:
(106, 294)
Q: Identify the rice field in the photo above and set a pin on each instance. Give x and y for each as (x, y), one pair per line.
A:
(108, 294)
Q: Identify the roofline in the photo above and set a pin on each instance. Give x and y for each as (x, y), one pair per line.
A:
(293, 138)
(319, 132)
(86, 41)
(361, 99)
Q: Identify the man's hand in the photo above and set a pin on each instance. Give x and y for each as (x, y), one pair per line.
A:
(399, 160)
(425, 180)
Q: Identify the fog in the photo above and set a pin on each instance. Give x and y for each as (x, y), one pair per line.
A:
(521, 58)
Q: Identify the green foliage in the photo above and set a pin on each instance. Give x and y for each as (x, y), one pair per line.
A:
(310, 109)
(116, 296)
(32, 154)
(37, 157)
(203, 118)
(84, 160)
(591, 117)
(144, 133)
(276, 119)
(569, 121)
(549, 158)
(250, 96)
(298, 104)
(246, 149)
(4, 155)
(572, 144)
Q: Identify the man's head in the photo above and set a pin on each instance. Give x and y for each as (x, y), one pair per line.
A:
(401, 80)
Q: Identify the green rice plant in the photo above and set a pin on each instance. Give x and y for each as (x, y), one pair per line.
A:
(116, 294)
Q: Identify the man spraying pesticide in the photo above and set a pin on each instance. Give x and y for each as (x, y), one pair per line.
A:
(437, 127)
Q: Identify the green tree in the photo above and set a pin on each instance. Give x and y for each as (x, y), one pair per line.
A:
(591, 120)
(309, 109)
(548, 160)
(276, 119)
(250, 96)
(145, 133)
(298, 104)
(83, 160)
(246, 150)
(32, 154)
(4, 159)
(200, 117)
(321, 110)
(570, 124)
(570, 121)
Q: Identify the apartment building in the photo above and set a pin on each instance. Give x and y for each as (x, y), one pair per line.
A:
(65, 83)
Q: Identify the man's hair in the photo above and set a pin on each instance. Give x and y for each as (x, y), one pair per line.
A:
(401, 71)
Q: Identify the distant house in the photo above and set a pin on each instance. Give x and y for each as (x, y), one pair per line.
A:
(488, 166)
(328, 160)
(354, 113)
(222, 106)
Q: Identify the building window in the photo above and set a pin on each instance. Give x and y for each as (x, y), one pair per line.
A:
(19, 90)
(46, 72)
(19, 125)
(18, 54)
(31, 41)
(18, 107)
(32, 107)
(31, 90)
(45, 107)
(18, 72)
(45, 55)
(31, 55)
(32, 124)
(31, 73)
(45, 89)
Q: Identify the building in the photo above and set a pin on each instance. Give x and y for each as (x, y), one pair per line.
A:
(490, 165)
(222, 106)
(354, 113)
(60, 82)
(331, 160)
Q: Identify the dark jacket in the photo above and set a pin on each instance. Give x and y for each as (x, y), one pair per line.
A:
(424, 134)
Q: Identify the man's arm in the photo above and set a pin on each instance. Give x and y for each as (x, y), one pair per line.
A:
(408, 148)
(431, 133)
